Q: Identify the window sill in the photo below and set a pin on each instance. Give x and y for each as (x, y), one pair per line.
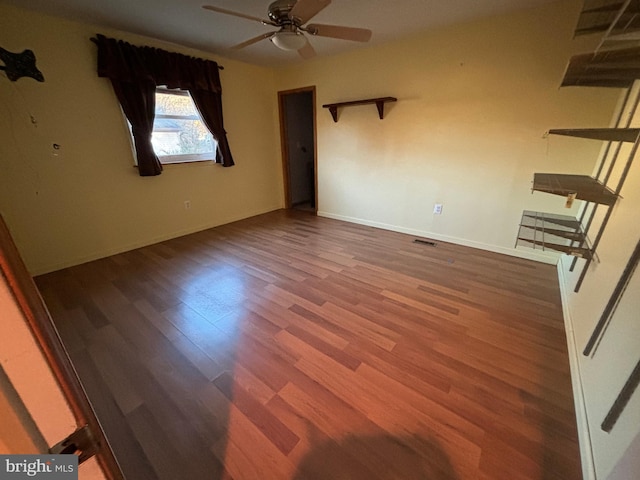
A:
(186, 162)
(191, 161)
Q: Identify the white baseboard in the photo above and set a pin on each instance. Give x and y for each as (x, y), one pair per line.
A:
(584, 434)
(535, 255)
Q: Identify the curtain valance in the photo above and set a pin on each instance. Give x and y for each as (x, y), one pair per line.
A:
(122, 61)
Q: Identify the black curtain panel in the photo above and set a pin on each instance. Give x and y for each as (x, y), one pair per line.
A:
(209, 104)
(136, 71)
(138, 102)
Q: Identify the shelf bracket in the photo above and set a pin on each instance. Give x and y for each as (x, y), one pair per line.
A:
(380, 107)
(333, 109)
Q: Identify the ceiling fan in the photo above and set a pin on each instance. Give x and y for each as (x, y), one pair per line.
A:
(290, 16)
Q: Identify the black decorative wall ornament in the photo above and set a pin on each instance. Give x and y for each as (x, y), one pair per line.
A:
(18, 65)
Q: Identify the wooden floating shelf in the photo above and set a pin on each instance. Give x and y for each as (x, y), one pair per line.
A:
(583, 186)
(379, 102)
(548, 231)
(607, 134)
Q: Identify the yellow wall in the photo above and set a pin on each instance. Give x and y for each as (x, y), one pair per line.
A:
(89, 201)
(474, 102)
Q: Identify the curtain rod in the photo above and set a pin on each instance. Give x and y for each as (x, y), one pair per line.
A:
(95, 40)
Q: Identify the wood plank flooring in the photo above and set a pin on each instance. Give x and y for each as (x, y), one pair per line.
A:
(288, 346)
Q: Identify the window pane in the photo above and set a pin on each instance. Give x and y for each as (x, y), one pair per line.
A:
(180, 137)
(178, 130)
(174, 104)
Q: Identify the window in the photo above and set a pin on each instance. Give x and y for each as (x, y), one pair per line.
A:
(179, 134)
(135, 72)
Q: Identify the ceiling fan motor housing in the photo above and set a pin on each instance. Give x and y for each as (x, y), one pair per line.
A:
(279, 11)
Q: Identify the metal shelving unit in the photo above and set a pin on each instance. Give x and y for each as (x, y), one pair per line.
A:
(614, 64)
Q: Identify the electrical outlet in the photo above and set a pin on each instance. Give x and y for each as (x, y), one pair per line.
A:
(187, 204)
(437, 209)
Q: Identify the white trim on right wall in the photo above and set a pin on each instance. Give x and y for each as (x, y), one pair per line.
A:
(582, 422)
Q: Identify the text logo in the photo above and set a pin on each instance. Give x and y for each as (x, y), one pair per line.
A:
(38, 467)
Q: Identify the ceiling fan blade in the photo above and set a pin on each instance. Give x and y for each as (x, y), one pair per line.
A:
(253, 40)
(343, 33)
(307, 51)
(304, 10)
(236, 14)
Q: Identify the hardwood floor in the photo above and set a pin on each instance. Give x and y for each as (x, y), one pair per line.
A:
(289, 346)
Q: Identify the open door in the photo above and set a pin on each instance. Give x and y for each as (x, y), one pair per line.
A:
(45, 408)
(299, 153)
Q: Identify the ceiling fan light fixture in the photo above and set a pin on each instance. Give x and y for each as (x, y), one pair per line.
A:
(287, 40)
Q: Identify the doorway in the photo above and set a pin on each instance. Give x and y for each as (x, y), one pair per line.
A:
(299, 154)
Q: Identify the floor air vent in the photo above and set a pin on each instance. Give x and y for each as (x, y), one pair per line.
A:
(425, 242)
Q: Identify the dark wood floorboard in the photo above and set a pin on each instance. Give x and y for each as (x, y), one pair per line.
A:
(288, 346)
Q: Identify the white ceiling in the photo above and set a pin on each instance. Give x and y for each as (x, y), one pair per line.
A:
(185, 22)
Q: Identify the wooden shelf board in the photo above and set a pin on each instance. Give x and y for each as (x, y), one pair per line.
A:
(607, 134)
(584, 186)
(379, 102)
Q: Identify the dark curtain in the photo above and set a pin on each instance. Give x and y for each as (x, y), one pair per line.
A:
(135, 72)
(138, 102)
(209, 105)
